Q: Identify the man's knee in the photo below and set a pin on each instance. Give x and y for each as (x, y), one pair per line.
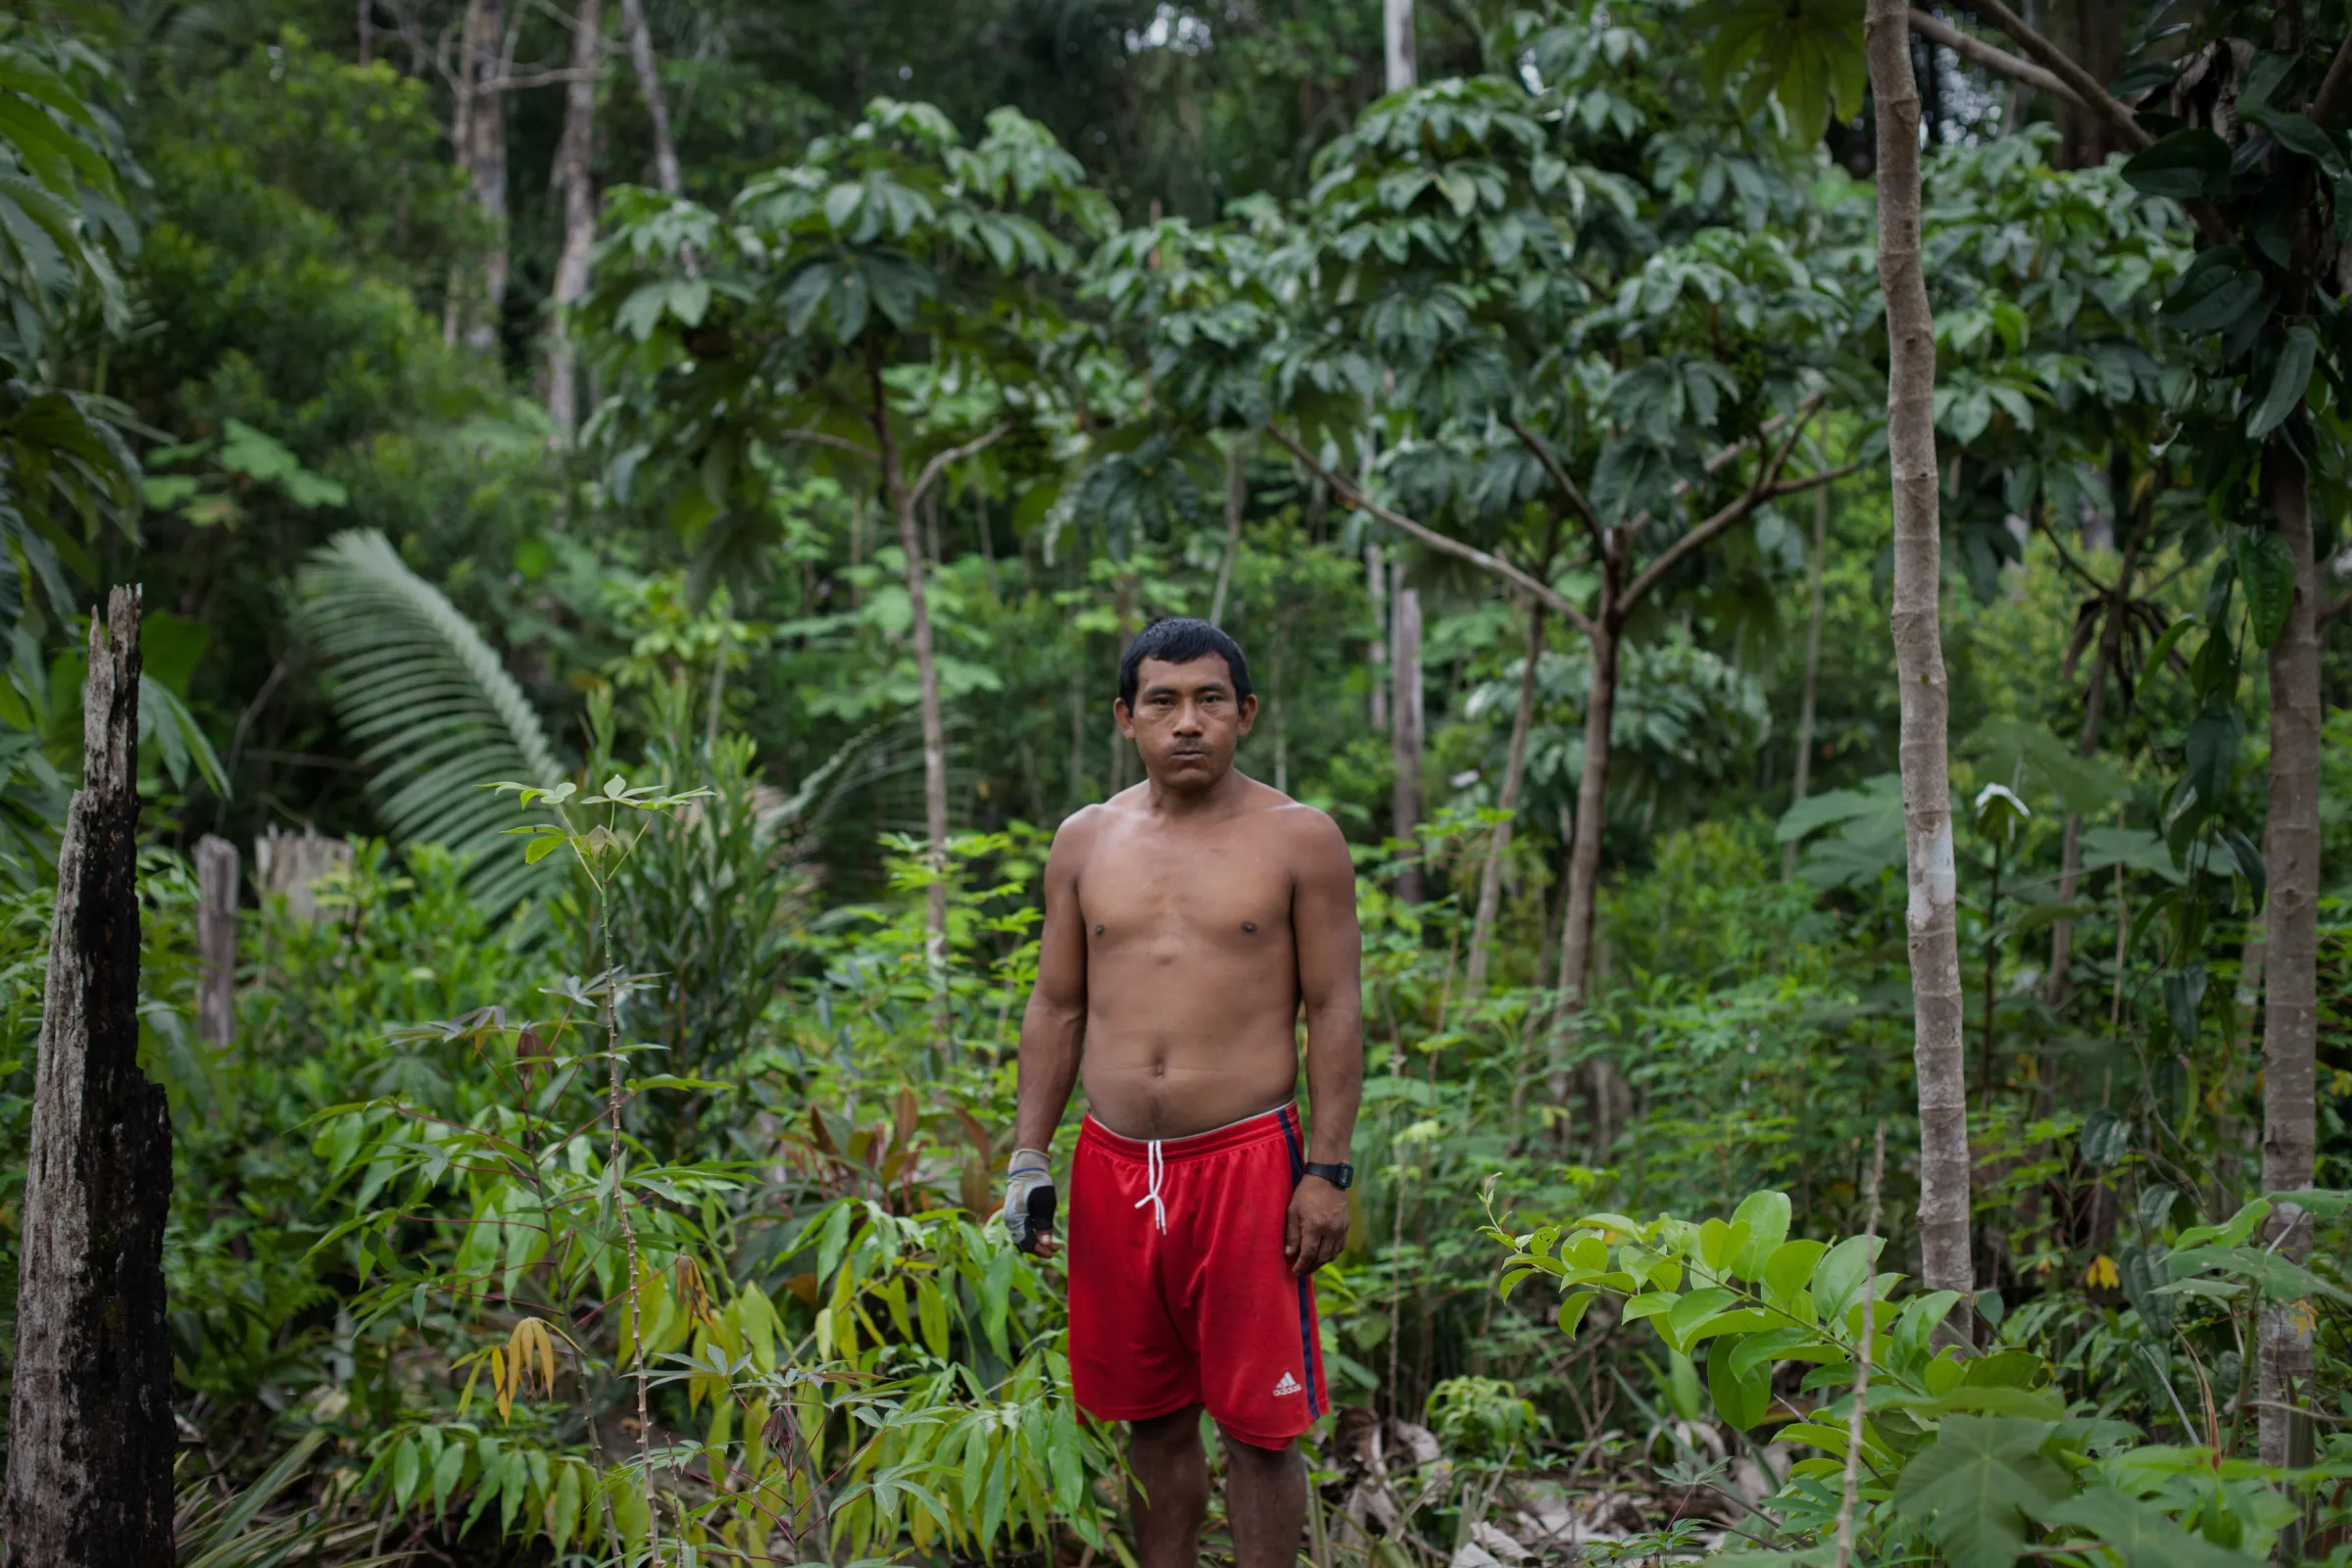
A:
(1256, 1452)
(1173, 1433)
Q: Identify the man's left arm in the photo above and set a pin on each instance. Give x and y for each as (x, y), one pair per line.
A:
(1330, 947)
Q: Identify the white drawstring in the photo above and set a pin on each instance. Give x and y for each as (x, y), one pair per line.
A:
(1153, 1165)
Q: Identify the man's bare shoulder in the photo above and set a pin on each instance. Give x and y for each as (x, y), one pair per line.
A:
(1301, 826)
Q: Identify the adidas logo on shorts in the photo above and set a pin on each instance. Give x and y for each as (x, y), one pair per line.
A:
(1288, 1385)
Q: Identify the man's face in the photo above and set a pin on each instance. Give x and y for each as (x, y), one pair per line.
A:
(1185, 722)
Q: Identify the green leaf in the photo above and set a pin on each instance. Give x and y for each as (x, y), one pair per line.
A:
(1741, 1397)
(2299, 135)
(2138, 1533)
(1572, 1311)
(1838, 1278)
(2288, 381)
(1766, 1216)
(2218, 288)
(2266, 569)
(1694, 1310)
(1974, 1488)
(2188, 163)
(2211, 749)
(1790, 1266)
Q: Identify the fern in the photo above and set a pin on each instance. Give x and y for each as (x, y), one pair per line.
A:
(439, 715)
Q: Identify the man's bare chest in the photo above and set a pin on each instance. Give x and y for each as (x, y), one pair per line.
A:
(1224, 892)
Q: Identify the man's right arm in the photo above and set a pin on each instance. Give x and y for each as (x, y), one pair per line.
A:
(1053, 1024)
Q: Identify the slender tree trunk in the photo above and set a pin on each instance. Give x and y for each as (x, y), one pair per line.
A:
(483, 149)
(657, 103)
(2108, 655)
(573, 154)
(1938, 1050)
(1592, 810)
(1404, 729)
(90, 1425)
(934, 722)
(1237, 502)
(2290, 978)
(1376, 652)
(1804, 713)
(1397, 36)
(217, 941)
(1498, 843)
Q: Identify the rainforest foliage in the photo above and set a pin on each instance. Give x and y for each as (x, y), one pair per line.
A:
(639, 508)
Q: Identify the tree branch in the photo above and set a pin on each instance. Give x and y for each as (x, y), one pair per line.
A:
(2099, 101)
(2077, 567)
(1763, 488)
(1560, 477)
(825, 438)
(954, 455)
(1968, 46)
(2080, 82)
(1352, 494)
(1803, 413)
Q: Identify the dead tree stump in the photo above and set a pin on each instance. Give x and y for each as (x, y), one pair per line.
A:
(90, 1435)
(217, 941)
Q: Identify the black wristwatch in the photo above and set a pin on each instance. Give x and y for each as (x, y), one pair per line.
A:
(1341, 1176)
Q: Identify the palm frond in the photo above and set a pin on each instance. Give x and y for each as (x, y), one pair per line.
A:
(428, 697)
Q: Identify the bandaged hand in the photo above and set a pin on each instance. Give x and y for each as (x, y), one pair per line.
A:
(1029, 1201)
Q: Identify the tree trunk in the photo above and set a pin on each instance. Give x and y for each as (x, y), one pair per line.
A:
(1397, 36)
(926, 674)
(2070, 852)
(2092, 31)
(90, 1435)
(573, 153)
(1932, 916)
(1404, 730)
(1804, 713)
(1591, 813)
(217, 941)
(482, 149)
(1376, 652)
(657, 104)
(1506, 800)
(1237, 502)
(2290, 962)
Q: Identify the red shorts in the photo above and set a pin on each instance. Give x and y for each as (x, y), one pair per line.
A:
(1179, 1291)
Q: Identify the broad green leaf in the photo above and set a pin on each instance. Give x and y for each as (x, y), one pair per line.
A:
(2288, 379)
(1694, 1309)
(1838, 1278)
(1741, 1397)
(2191, 162)
(1572, 1311)
(1766, 1216)
(2266, 569)
(2138, 1533)
(1790, 1269)
(1974, 1488)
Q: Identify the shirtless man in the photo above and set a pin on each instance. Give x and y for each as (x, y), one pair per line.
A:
(1189, 921)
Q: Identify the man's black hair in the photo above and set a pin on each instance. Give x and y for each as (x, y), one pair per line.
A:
(1179, 640)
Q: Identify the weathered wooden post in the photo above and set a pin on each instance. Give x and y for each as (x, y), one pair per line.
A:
(90, 1434)
(217, 941)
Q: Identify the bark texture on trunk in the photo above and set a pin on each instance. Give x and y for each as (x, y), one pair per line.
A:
(1376, 652)
(1237, 503)
(217, 941)
(1397, 36)
(1938, 1050)
(1805, 714)
(575, 177)
(1499, 841)
(90, 1434)
(657, 102)
(1591, 815)
(1404, 730)
(482, 148)
(2092, 31)
(2291, 961)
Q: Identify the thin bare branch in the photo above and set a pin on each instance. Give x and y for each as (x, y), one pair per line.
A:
(941, 463)
(1352, 494)
(824, 438)
(2067, 560)
(1763, 488)
(1992, 57)
(1802, 412)
(1567, 486)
